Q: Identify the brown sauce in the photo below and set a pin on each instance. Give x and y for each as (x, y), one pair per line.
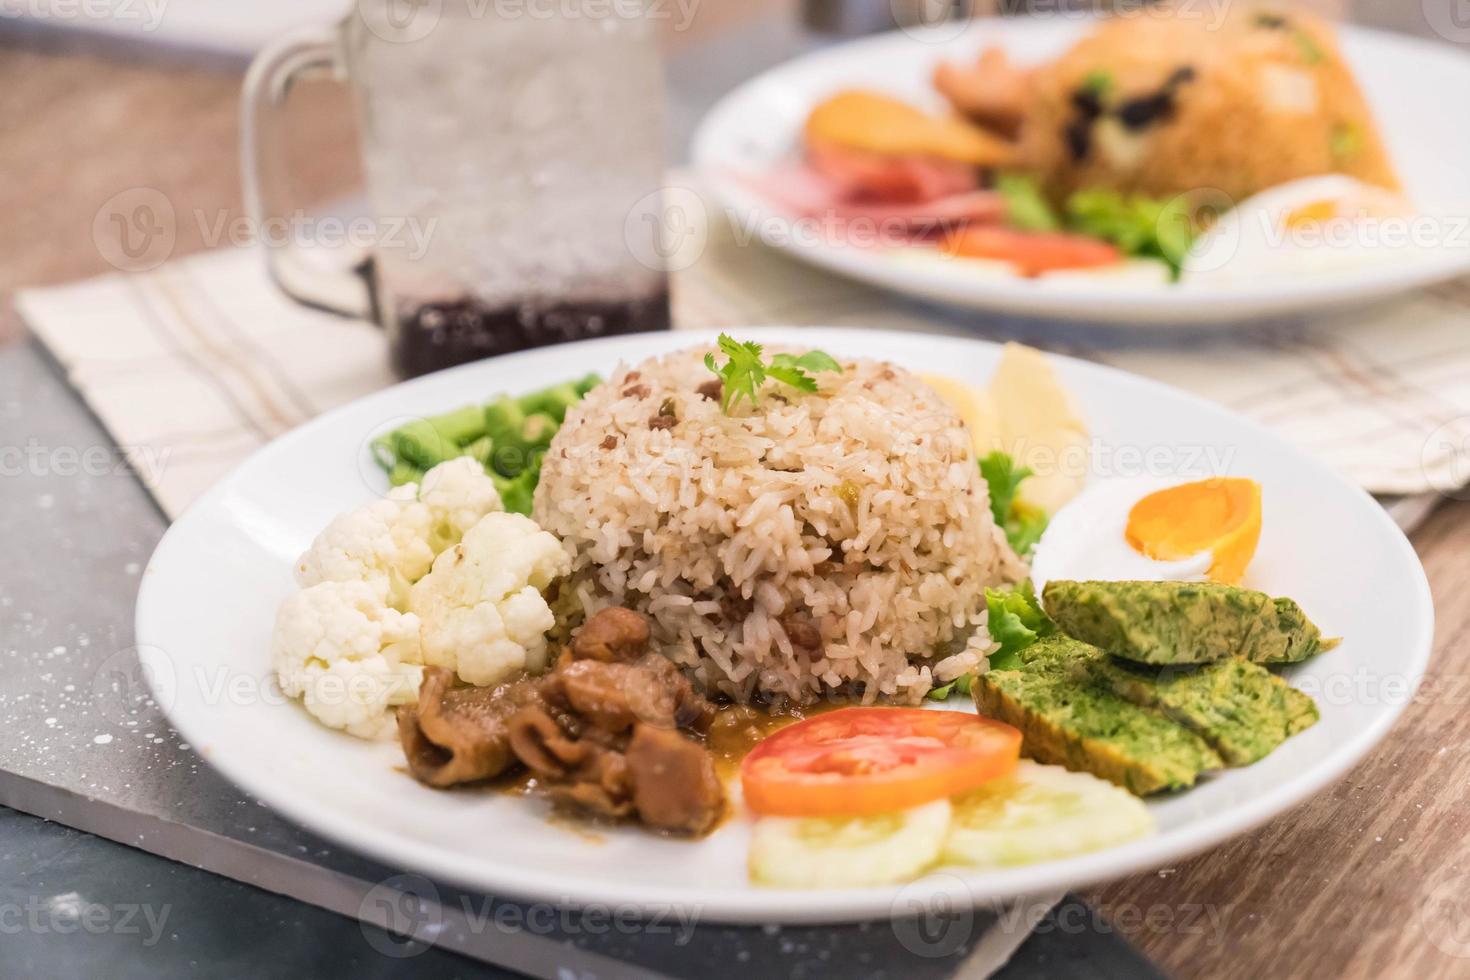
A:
(521, 782)
(738, 728)
(518, 782)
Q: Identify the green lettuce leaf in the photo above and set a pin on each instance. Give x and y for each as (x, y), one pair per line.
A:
(1026, 207)
(1003, 477)
(1016, 621)
(1140, 226)
(960, 685)
(1022, 523)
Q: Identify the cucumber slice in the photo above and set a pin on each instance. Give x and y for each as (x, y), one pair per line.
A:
(1042, 813)
(847, 852)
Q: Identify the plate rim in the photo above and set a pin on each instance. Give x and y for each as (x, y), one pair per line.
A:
(1117, 305)
(799, 906)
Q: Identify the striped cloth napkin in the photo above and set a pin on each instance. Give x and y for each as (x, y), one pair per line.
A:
(197, 363)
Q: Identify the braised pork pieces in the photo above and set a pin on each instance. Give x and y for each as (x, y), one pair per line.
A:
(612, 729)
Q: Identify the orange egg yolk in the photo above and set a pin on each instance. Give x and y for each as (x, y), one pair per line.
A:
(1221, 516)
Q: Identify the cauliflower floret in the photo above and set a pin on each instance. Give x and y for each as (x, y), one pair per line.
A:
(358, 696)
(387, 540)
(347, 654)
(397, 538)
(458, 493)
(481, 608)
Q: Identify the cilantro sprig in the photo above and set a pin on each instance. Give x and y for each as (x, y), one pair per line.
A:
(746, 370)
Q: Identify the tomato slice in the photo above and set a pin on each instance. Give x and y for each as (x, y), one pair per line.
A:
(1031, 252)
(873, 760)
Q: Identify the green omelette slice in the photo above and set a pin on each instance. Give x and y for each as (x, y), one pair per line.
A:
(1242, 709)
(1183, 622)
(1065, 719)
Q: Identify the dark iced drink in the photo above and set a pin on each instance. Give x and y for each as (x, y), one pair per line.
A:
(514, 159)
(442, 334)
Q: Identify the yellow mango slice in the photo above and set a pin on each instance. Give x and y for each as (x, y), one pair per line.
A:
(878, 123)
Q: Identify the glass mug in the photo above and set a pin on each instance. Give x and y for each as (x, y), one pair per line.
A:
(521, 141)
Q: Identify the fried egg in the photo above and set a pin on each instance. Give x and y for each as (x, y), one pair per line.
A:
(1305, 227)
(1155, 530)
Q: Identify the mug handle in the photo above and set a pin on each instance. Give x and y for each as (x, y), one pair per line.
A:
(310, 51)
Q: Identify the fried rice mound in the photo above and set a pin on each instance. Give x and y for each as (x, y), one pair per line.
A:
(812, 544)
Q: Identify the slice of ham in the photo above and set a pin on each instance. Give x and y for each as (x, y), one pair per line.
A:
(802, 192)
(861, 175)
(866, 199)
(954, 209)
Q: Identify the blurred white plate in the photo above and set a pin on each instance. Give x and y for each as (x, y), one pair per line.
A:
(212, 27)
(757, 126)
(210, 594)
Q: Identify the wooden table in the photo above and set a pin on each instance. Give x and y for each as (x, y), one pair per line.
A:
(1371, 878)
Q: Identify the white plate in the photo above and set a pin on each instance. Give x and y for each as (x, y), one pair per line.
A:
(756, 127)
(211, 590)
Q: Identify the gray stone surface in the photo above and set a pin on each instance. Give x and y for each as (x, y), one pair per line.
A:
(89, 750)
